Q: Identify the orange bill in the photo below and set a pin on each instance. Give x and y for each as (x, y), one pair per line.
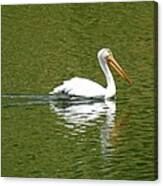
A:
(114, 64)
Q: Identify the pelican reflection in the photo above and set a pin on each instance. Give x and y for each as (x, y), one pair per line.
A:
(80, 115)
(84, 112)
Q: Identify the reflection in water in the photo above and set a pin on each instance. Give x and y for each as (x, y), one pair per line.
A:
(82, 114)
(110, 131)
(78, 114)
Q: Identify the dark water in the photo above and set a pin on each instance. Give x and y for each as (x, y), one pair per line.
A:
(77, 138)
(47, 136)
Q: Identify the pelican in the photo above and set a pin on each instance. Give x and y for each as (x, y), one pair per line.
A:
(89, 89)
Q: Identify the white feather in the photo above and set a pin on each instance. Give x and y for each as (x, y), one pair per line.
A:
(80, 87)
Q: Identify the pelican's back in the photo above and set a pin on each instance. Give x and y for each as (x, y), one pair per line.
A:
(80, 87)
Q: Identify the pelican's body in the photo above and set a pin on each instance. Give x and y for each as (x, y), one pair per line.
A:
(81, 87)
(87, 88)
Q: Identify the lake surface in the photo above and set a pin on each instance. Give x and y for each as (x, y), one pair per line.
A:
(47, 136)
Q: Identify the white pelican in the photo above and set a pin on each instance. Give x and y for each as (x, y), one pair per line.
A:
(86, 88)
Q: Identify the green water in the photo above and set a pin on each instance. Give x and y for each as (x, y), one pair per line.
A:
(43, 136)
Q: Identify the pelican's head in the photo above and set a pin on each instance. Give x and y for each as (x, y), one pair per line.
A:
(105, 55)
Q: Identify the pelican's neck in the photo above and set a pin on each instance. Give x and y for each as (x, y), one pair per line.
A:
(111, 87)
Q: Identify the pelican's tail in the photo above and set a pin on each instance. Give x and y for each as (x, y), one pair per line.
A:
(57, 90)
(66, 87)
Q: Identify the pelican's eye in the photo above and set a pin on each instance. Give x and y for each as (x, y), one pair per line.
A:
(109, 55)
